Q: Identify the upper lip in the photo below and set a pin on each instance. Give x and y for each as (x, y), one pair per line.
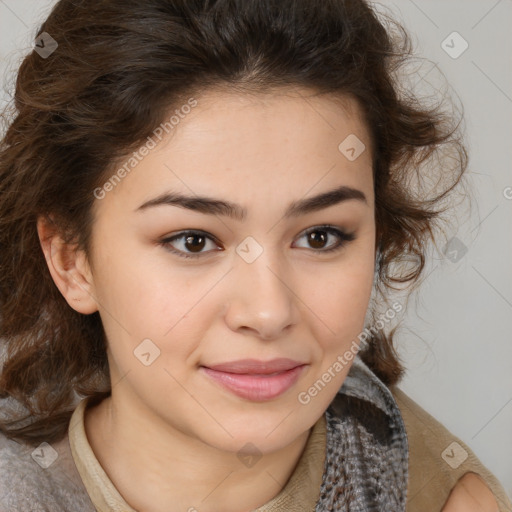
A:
(254, 366)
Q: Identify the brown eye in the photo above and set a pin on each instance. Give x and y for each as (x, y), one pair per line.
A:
(317, 238)
(192, 245)
(195, 242)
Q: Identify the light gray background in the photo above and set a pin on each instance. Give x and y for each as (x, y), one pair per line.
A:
(457, 345)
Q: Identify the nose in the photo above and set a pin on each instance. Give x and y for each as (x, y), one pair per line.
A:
(262, 299)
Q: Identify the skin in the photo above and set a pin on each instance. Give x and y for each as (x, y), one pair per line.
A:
(167, 424)
(471, 494)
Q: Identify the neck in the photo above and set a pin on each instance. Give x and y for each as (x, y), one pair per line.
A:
(153, 465)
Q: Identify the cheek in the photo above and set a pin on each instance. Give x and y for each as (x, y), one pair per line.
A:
(341, 303)
(147, 297)
(157, 305)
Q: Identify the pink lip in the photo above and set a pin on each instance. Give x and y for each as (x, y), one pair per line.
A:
(256, 380)
(253, 366)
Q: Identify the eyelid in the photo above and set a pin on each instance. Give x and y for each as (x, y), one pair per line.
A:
(165, 242)
(343, 235)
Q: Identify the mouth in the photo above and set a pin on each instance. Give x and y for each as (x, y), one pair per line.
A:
(256, 380)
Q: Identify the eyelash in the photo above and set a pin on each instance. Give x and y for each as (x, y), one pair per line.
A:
(343, 237)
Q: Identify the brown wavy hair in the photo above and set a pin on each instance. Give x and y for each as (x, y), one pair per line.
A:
(119, 67)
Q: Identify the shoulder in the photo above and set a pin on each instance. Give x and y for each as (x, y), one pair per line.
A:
(471, 494)
(441, 464)
(38, 478)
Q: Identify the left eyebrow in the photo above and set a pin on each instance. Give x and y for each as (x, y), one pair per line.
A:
(211, 206)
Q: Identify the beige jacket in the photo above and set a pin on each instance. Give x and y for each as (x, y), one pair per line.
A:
(437, 459)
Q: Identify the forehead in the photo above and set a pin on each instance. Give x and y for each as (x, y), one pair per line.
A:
(252, 145)
(271, 119)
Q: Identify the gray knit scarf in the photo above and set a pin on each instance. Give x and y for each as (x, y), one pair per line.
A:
(366, 465)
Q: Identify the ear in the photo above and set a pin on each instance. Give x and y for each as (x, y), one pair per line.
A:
(68, 267)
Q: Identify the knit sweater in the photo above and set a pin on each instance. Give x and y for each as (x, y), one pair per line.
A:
(373, 446)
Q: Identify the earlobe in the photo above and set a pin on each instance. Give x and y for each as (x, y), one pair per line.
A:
(68, 267)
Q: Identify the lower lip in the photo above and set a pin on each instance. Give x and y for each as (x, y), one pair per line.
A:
(256, 387)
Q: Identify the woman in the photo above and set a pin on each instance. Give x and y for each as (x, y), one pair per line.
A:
(198, 201)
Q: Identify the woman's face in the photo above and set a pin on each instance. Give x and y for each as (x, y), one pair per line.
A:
(259, 286)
